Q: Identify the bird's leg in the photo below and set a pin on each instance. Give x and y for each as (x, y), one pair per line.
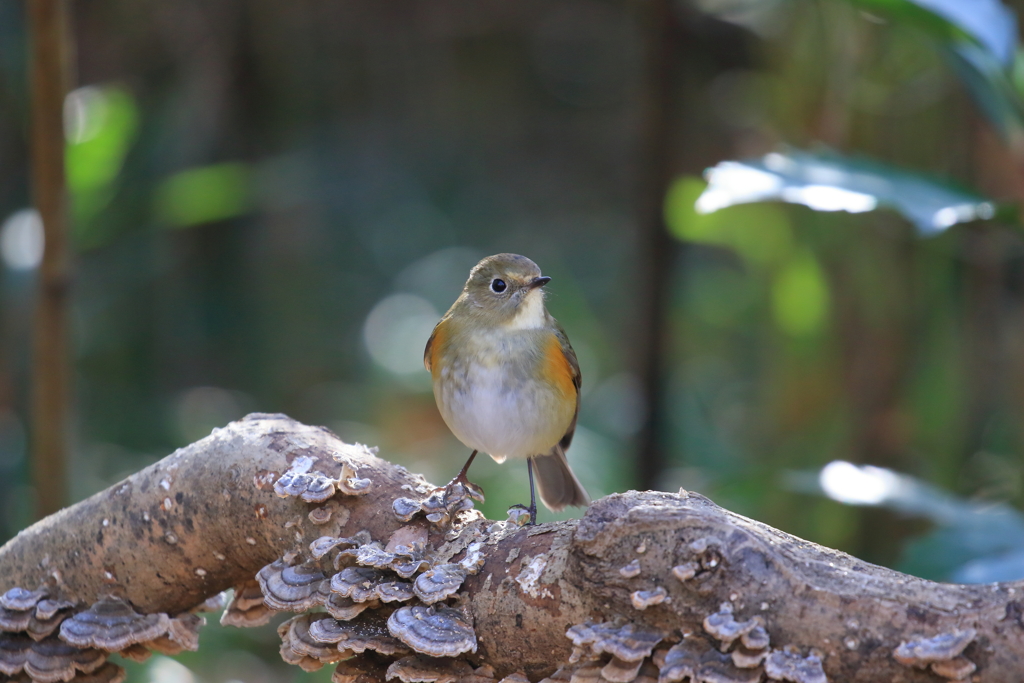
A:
(532, 510)
(533, 495)
(465, 468)
(460, 487)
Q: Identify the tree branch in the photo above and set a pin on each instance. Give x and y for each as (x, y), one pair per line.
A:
(646, 586)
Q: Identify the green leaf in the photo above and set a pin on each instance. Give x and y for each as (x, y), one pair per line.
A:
(989, 23)
(972, 542)
(827, 181)
(204, 195)
(800, 298)
(991, 86)
(102, 122)
(771, 243)
(979, 38)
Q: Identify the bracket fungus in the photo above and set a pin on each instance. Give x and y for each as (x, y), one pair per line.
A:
(420, 669)
(112, 625)
(299, 647)
(298, 481)
(942, 653)
(956, 669)
(629, 642)
(348, 482)
(694, 658)
(322, 546)
(724, 627)
(182, 634)
(630, 570)
(373, 555)
(643, 599)
(14, 621)
(53, 660)
(439, 583)
(359, 636)
(791, 666)
(924, 651)
(405, 508)
(346, 609)
(441, 505)
(40, 628)
(20, 599)
(246, 608)
(322, 515)
(359, 584)
(292, 589)
(434, 631)
(395, 591)
(620, 671)
(14, 649)
(409, 565)
(47, 608)
(685, 571)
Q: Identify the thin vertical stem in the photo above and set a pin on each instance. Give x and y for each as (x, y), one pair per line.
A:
(49, 37)
(656, 247)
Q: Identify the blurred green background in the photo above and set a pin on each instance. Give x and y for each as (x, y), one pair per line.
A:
(273, 203)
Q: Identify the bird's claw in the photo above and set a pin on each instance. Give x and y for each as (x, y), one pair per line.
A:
(459, 489)
(520, 515)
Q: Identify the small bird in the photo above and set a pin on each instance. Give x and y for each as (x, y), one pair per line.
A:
(506, 379)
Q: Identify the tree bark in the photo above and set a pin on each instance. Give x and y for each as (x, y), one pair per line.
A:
(645, 583)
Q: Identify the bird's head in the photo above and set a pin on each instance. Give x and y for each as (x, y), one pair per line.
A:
(506, 289)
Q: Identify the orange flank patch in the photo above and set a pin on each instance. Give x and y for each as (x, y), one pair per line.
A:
(437, 341)
(557, 368)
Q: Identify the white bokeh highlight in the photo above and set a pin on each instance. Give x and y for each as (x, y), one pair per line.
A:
(22, 240)
(396, 332)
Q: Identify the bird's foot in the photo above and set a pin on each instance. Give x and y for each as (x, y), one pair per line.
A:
(521, 515)
(459, 489)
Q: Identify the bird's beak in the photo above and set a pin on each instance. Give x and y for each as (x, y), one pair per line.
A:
(539, 281)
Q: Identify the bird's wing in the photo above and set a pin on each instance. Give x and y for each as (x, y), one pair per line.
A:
(577, 380)
(434, 344)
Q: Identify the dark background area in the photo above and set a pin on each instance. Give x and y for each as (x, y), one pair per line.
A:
(274, 202)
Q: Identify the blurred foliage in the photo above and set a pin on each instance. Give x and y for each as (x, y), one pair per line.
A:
(274, 202)
(204, 195)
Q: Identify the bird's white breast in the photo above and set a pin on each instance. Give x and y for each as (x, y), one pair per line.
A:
(495, 400)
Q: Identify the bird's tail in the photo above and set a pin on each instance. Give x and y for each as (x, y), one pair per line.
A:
(558, 485)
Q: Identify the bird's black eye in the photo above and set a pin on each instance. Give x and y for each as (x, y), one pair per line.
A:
(498, 285)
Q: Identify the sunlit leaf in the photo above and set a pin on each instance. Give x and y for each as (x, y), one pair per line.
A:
(979, 38)
(991, 86)
(827, 181)
(988, 22)
(761, 234)
(100, 124)
(203, 195)
(971, 543)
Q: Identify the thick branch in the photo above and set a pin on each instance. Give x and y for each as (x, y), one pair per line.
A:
(682, 571)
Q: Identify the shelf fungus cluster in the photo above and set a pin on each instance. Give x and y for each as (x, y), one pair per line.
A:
(943, 654)
(301, 481)
(729, 651)
(46, 638)
(388, 605)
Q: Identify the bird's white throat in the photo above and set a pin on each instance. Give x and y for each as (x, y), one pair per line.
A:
(531, 315)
